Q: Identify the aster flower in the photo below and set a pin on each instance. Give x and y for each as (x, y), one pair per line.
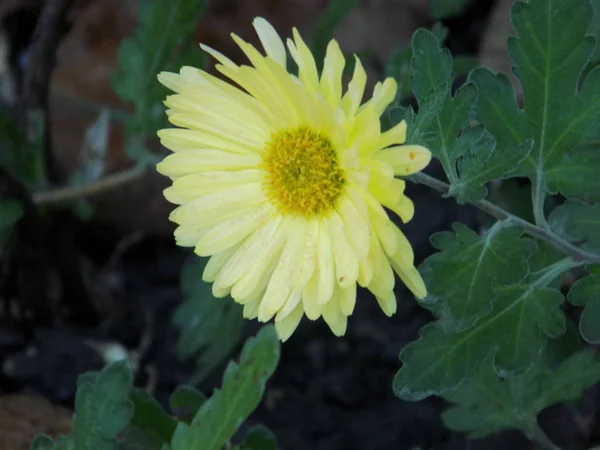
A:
(282, 180)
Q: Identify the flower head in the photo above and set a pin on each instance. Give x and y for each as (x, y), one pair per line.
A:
(282, 180)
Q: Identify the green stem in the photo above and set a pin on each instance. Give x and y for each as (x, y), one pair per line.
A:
(538, 199)
(575, 253)
(553, 271)
(61, 196)
(536, 434)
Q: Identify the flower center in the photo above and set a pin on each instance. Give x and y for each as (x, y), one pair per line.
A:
(303, 173)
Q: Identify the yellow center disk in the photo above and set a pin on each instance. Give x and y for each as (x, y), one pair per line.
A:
(304, 176)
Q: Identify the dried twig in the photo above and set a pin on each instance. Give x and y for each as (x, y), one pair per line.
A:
(33, 102)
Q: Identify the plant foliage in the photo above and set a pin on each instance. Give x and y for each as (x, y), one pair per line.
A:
(110, 414)
(210, 327)
(158, 44)
(496, 295)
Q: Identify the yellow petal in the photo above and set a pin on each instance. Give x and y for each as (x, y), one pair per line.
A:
(170, 80)
(260, 272)
(404, 256)
(356, 89)
(331, 77)
(199, 184)
(279, 289)
(384, 94)
(232, 231)
(404, 207)
(393, 136)
(219, 56)
(194, 161)
(216, 263)
(248, 253)
(388, 304)
(307, 68)
(383, 276)
(212, 205)
(324, 269)
(213, 125)
(177, 139)
(356, 226)
(287, 325)
(347, 298)
(332, 314)
(405, 159)
(290, 304)
(250, 310)
(411, 278)
(270, 40)
(346, 260)
(382, 225)
(306, 258)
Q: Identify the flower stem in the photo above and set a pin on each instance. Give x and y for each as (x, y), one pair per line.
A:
(575, 253)
(69, 194)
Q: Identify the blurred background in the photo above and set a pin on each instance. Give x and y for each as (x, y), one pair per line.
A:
(89, 272)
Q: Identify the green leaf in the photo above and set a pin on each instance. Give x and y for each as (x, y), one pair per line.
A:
(209, 327)
(41, 442)
(326, 24)
(577, 222)
(595, 29)
(186, 401)
(163, 27)
(586, 292)
(21, 158)
(462, 277)
(398, 67)
(102, 409)
(259, 438)
(489, 403)
(10, 213)
(241, 391)
(150, 426)
(441, 117)
(523, 316)
(440, 9)
(481, 164)
(560, 118)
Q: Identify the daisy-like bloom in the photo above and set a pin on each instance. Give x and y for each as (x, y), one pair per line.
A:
(282, 180)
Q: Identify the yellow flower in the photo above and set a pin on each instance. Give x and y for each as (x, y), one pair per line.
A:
(281, 180)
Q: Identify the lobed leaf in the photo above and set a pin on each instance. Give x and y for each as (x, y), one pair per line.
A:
(586, 292)
(577, 222)
(442, 123)
(209, 327)
(41, 442)
(522, 318)
(559, 116)
(481, 164)
(150, 427)
(240, 393)
(489, 403)
(186, 401)
(259, 438)
(102, 409)
(463, 276)
(163, 26)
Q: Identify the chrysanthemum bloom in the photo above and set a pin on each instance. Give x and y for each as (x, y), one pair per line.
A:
(281, 180)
